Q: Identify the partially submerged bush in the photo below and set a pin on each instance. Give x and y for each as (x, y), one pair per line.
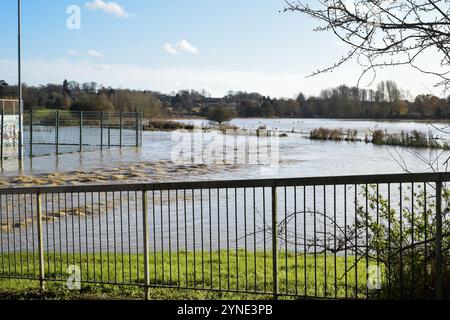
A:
(378, 137)
(163, 125)
(352, 135)
(414, 139)
(326, 134)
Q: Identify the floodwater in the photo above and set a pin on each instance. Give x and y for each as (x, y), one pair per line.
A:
(158, 161)
(306, 125)
(298, 156)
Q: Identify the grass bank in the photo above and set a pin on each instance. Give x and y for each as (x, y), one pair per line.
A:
(302, 275)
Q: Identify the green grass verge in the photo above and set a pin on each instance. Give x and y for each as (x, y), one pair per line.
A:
(301, 275)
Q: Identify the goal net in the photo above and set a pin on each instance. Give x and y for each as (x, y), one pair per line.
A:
(9, 127)
(9, 106)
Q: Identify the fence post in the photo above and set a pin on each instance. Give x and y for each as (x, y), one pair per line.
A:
(109, 130)
(31, 133)
(137, 129)
(145, 239)
(101, 130)
(438, 244)
(57, 131)
(3, 130)
(81, 131)
(275, 242)
(120, 128)
(40, 242)
(141, 125)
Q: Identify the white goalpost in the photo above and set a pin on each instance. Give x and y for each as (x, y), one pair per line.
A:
(9, 106)
(9, 126)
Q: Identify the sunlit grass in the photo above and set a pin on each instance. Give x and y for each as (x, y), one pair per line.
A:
(179, 276)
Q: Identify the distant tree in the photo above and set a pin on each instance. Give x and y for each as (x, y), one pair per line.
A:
(301, 99)
(66, 90)
(3, 84)
(74, 88)
(267, 109)
(221, 114)
(240, 97)
(387, 101)
(145, 102)
(92, 103)
(89, 87)
(188, 99)
(249, 108)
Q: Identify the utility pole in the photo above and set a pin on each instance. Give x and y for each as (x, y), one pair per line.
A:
(19, 67)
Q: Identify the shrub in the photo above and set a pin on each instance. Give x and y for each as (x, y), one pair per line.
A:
(326, 134)
(351, 135)
(221, 114)
(378, 137)
(402, 242)
(162, 125)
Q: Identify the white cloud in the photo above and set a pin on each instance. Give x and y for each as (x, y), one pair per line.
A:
(112, 8)
(170, 49)
(184, 45)
(95, 54)
(180, 47)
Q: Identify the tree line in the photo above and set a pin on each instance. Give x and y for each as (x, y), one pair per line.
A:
(386, 101)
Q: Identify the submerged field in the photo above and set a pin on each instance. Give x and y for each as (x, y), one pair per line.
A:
(186, 276)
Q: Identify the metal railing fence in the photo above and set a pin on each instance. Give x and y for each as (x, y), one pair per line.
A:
(60, 131)
(354, 237)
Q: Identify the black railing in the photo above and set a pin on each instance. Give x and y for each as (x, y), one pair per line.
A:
(370, 237)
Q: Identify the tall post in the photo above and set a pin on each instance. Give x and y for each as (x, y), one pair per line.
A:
(101, 130)
(81, 131)
(438, 245)
(141, 132)
(57, 131)
(31, 133)
(275, 242)
(120, 128)
(145, 239)
(19, 84)
(137, 128)
(40, 242)
(3, 130)
(109, 130)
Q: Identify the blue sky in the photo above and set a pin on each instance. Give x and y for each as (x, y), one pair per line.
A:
(163, 45)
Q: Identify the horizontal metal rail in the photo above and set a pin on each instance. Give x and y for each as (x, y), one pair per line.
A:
(254, 183)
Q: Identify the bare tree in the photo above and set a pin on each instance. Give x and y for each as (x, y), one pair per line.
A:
(386, 32)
